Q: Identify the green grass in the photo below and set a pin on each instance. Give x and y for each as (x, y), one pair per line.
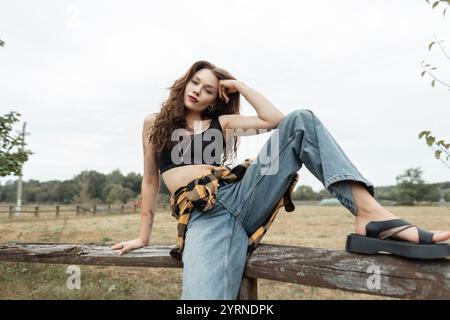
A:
(311, 226)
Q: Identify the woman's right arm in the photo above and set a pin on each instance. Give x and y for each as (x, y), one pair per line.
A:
(149, 192)
(150, 183)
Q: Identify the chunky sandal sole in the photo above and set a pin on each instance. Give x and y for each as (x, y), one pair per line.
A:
(367, 245)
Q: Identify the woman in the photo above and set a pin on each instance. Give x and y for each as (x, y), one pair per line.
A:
(214, 255)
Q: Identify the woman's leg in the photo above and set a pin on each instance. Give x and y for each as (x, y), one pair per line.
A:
(300, 138)
(214, 255)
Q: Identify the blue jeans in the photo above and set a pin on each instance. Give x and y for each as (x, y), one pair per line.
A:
(215, 250)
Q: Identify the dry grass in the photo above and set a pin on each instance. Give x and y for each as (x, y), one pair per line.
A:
(311, 226)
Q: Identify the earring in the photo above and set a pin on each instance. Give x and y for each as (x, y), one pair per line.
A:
(210, 107)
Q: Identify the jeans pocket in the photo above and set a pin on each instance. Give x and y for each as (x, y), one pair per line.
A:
(223, 194)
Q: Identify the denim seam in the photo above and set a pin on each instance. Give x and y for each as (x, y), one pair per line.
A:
(348, 203)
(342, 177)
(313, 116)
(312, 142)
(352, 177)
(227, 256)
(339, 177)
(226, 207)
(232, 213)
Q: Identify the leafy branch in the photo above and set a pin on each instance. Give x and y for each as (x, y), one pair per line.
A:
(440, 146)
(426, 67)
(435, 4)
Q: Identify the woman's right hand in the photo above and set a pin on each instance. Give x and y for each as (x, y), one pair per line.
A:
(126, 246)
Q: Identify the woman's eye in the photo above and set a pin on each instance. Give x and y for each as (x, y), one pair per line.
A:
(195, 82)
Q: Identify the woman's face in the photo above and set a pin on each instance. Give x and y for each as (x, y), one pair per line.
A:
(203, 86)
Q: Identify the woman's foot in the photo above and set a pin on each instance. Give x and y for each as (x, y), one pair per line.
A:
(410, 234)
(370, 210)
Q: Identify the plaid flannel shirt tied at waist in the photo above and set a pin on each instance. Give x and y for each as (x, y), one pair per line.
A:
(200, 193)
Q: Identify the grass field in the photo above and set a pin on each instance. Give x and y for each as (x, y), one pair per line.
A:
(312, 226)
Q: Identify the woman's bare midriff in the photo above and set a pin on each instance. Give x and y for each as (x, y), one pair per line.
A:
(180, 176)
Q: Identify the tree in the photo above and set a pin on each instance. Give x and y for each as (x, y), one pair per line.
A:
(115, 177)
(432, 194)
(12, 153)
(83, 195)
(64, 191)
(410, 187)
(304, 193)
(97, 182)
(447, 196)
(116, 193)
(324, 194)
(133, 182)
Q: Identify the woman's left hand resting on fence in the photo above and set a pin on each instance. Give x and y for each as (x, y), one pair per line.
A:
(126, 246)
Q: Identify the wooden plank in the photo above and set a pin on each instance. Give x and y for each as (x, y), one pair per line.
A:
(89, 254)
(383, 275)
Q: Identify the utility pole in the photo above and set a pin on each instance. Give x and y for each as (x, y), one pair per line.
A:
(19, 181)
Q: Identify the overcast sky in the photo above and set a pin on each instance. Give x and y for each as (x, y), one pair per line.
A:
(84, 74)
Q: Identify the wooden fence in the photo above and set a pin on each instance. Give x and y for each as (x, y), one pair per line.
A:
(36, 210)
(77, 209)
(383, 274)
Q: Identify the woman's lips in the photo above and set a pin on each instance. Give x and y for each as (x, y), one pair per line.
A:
(190, 98)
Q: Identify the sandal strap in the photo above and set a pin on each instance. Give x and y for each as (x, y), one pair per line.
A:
(374, 228)
(390, 234)
(425, 237)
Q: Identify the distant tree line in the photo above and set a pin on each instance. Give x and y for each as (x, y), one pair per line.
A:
(114, 188)
(87, 187)
(410, 189)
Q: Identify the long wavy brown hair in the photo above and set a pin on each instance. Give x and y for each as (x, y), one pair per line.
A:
(172, 112)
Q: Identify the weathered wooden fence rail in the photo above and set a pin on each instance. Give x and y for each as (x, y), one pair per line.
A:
(383, 275)
(77, 209)
(163, 205)
(37, 210)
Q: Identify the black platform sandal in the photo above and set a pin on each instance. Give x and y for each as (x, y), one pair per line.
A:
(375, 241)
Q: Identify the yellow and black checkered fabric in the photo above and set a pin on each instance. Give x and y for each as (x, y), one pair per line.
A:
(200, 194)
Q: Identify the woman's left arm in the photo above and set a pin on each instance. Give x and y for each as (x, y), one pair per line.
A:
(263, 107)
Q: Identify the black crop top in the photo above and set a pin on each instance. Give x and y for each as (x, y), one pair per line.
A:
(188, 145)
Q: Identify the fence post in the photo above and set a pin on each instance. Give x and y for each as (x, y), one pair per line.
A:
(94, 209)
(36, 211)
(122, 208)
(78, 210)
(109, 208)
(57, 211)
(248, 289)
(10, 211)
